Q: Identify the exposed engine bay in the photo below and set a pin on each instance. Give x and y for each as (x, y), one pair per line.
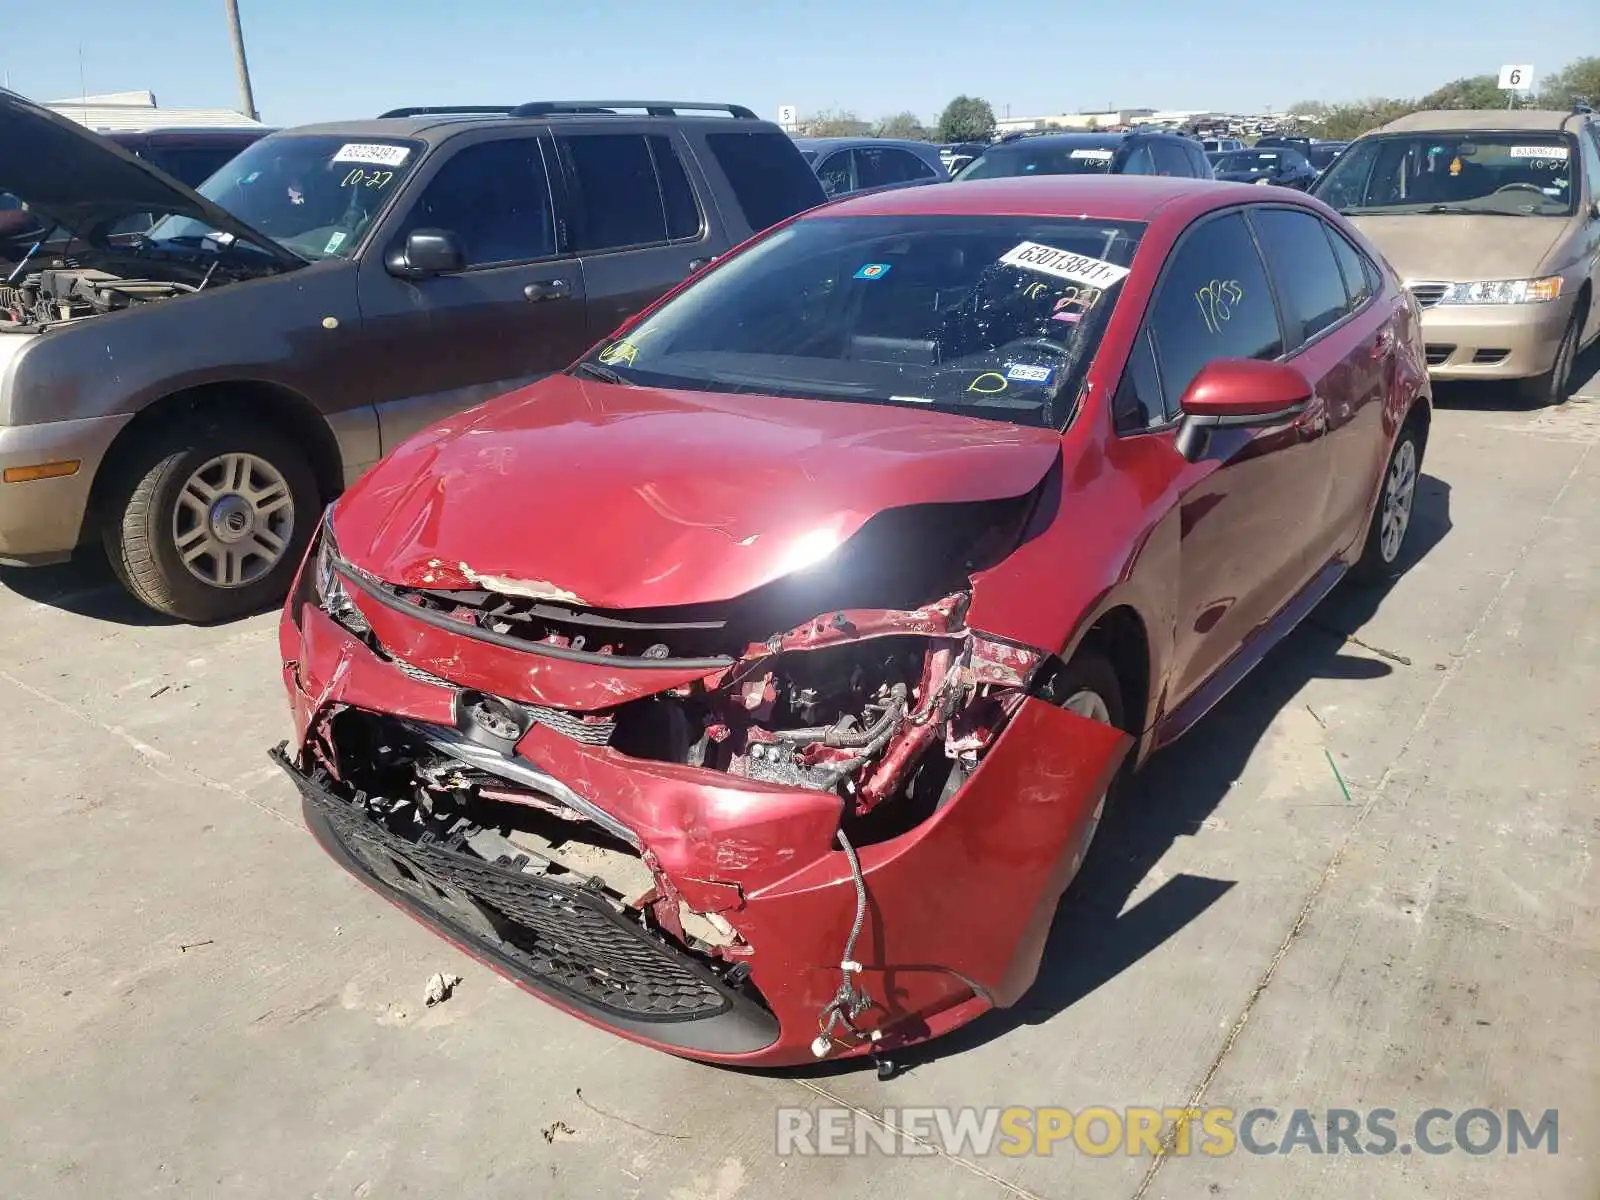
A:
(40, 299)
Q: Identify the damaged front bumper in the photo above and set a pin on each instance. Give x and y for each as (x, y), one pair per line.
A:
(701, 906)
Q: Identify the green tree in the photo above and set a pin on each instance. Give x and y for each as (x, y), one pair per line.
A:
(1476, 91)
(1345, 121)
(1581, 77)
(834, 123)
(904, 125)
(966, 119)
(1308, 108)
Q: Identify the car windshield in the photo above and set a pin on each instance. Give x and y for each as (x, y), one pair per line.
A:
(314, 195)
(1501, 173)
(1256, 162)
(989, 316)
(1039, 158)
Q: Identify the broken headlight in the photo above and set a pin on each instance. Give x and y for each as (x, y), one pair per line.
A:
(331, 591)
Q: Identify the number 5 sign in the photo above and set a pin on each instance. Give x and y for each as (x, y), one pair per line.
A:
(1516, 78)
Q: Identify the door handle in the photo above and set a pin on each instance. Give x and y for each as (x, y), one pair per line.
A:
(548, 289)
(700, 264)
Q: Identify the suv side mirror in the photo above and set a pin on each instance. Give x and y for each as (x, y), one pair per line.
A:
(1239, 392)
(427, 252)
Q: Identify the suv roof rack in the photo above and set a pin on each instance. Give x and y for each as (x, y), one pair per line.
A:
(654, 108)
(451, 110)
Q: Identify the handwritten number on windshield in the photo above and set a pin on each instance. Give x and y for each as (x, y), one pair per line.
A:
(1216, 301)
(361, 177)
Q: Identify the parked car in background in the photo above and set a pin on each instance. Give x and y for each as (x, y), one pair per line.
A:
(1493, 220)
(191, 156)
(956, 155)
(811, 618)
(1137, 153)
(846, 165)
(1278, 166)
(191, 397)
(1284, 141)
(1223, 144)
(1322, 154)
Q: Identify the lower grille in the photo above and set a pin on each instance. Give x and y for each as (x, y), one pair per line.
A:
(1489, 357)
(572, 942)
(1437, 354)
(1428, 294)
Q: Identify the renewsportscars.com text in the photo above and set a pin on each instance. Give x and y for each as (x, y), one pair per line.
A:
(1100, 1132)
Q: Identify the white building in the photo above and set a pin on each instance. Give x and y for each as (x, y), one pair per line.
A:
(134, 112)
(1073, 121)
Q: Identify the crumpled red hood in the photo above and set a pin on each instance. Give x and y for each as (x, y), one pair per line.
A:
(617, 497)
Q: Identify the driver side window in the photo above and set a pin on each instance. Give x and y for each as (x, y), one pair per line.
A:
(495, 198)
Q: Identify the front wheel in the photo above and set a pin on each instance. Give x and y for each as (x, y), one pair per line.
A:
(208, 522)
(1391, 519)
(1088, 686)
(1553, 386)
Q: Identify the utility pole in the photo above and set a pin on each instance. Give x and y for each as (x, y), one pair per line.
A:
(239, 62)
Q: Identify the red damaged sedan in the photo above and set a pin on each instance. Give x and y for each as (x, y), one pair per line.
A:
(754, 689)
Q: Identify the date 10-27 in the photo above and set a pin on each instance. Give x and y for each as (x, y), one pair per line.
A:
(361, 177)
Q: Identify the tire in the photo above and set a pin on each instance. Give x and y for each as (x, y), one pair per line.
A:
(239, 496)
(1553, 387)
(1380, 553)
(1090, 674)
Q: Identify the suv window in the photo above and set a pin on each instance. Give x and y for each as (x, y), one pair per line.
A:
(770, 181)
(1170, 159)
(877, 165)
(191, 165)
(677, 195)
(1310, 286)
(617, 198)
(835, 173)
(1213, 302)
(1353, 264)
(495, 198)
(1139, 161)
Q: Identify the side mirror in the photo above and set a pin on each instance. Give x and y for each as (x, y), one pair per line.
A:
(427, 252)
(1239, 392)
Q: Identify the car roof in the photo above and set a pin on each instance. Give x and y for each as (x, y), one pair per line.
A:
(1094, 140)
(1099, 197)
(437, 127)
(1441, 120)
(832, 143)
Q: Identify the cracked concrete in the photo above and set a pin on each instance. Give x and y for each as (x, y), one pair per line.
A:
(199, 1003)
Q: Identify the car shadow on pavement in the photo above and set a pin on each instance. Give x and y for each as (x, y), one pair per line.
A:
(85, 587)
(1097, 934)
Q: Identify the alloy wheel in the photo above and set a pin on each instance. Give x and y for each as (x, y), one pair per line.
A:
(233, 521)
(1399, 490)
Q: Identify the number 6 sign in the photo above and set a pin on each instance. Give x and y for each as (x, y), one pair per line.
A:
(1516, 78)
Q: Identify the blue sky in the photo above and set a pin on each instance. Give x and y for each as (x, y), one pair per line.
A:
(329, 59)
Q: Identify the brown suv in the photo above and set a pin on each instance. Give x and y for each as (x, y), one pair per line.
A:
(1492, 218)
(192, 395)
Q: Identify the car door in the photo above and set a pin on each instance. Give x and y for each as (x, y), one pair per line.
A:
(1589, 151)
(637, 224)
(1347, 347)
(1244, 509)
(512, 313)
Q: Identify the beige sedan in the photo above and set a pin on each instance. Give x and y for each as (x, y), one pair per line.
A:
(1492, 218)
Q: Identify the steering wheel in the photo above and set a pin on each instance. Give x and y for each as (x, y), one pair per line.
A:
(1037, 343)
(1519, 186)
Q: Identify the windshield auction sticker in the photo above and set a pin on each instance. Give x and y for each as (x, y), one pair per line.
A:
(1538, 152)
(1063, 264)
(372, 152)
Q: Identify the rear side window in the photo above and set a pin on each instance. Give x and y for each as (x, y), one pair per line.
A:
(1355, 268)
(1170, 159)
(677, 196)
(617, 198)
(1139, 161)
(1213, 302)
(1304, 269)
(835, 173)
(1138, 403)
(768, 177)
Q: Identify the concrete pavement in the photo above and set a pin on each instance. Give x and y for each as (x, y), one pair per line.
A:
(195, 1001)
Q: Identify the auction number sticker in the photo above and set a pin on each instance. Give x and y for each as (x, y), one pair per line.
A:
(372, 152)
(1092, 155)
(1538, 152)
(1063, 264)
